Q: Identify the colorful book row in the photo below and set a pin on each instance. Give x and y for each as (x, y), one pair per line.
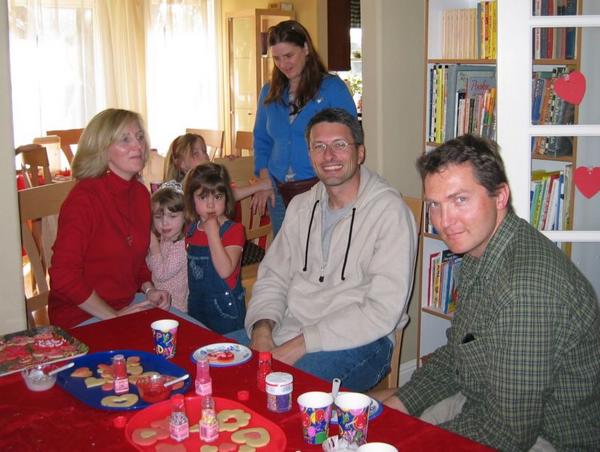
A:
(470, 33)
(444, 271)
(548, 108)
(550, 199)
(554, 43)
(462, 99)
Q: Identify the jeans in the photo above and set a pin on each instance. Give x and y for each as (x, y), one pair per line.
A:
(360, 368)
(276, 213)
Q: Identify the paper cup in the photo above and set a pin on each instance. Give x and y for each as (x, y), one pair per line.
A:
(353, 416)
(377, 447)
(315, 408)
(165, 337)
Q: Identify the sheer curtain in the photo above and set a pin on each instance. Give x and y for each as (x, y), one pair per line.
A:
(53, 68)
(72, 58)
(181, 69)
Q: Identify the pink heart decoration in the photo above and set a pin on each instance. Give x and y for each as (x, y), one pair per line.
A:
(587, 180)
(571, 87)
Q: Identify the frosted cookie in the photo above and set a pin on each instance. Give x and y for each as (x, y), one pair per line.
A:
(135, 370)
(93, 382)
(253, 437)
(108, 386)
(82, 372)
(120, 401)
(148, 436)
(206, 448)
(232, 420)
(246, 448)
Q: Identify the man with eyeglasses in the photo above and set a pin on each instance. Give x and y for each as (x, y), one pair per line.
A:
(335, 282)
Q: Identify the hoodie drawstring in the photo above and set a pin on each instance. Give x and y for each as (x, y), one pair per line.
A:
(312, 217)
(349, 241)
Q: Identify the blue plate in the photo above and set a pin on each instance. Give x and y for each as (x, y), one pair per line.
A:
(92, 397)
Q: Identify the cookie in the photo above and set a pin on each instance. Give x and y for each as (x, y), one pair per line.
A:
(120, 401)
(92, 382)
(232, 420)
(82, 372)
(253, 437)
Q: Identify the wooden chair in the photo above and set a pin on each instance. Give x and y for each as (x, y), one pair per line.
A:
(34, 159)
(68, 137)
(391, 380)
(38, 203)
(213, 139)
(244, 142)
(241, 171)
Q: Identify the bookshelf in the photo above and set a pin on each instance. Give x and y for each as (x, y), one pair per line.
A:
(555, 57)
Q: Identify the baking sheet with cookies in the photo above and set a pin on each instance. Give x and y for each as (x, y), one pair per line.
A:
(90, 386)
(148, 429)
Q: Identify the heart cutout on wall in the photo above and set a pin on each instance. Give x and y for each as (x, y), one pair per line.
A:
(587, 180)
(571, 87)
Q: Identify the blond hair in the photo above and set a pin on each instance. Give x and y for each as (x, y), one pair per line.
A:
(104, 129)
(180, 148)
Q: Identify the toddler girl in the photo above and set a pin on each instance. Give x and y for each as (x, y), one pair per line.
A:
(214, 246)
(167, 256)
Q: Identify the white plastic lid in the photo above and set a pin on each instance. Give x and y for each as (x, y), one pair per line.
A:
(279, 378)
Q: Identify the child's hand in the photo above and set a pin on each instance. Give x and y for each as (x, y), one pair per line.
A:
(211, 225)
(154, 244)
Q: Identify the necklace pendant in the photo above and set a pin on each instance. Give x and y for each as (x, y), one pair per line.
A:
(129, 240)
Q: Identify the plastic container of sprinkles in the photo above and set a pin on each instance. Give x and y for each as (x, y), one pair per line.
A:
(279, 386)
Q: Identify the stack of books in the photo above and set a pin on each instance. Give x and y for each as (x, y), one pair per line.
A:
(444, 271)
(470, 33)
(550, 199)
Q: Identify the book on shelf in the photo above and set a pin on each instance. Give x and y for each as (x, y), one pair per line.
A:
(554, 43)
(470, 33)
(442, 281)
(550, 199)
(549, 108)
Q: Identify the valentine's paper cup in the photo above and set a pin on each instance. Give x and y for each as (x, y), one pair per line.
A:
(377, 447)
(353, 416)
(315, 408)
(165, 337)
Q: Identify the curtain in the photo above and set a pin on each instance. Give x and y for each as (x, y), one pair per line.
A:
(72, 58)
(53, 68)
(123, 47)
(181, 69)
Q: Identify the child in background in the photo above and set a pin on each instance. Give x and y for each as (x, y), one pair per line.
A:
(214, 246)
(167, 258)
(188, 151)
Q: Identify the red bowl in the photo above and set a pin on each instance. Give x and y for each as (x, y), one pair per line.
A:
(151, 388)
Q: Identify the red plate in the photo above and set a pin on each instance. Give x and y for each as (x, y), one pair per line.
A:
(161, 410)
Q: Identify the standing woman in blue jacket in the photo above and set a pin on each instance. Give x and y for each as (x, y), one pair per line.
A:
(300, 87)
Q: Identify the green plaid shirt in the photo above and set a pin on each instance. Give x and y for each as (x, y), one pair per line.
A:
(532, 366)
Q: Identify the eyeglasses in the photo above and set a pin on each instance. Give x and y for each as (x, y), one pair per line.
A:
(335, 146)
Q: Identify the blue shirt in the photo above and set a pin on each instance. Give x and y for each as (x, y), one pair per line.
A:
(280, 145)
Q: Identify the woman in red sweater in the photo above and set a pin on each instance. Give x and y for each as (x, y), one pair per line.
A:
(98, 263)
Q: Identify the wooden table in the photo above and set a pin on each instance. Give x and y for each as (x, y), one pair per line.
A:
(54, 420)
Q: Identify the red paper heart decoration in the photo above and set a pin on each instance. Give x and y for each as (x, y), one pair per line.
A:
(571, 87)
(587, 180)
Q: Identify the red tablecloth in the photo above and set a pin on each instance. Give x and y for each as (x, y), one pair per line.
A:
(53, 420)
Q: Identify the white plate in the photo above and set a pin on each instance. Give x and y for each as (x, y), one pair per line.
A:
(224, 354)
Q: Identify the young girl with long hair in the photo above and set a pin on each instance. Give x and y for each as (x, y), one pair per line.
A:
(214, 249)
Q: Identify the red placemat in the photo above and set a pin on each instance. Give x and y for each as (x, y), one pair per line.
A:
(162, 410)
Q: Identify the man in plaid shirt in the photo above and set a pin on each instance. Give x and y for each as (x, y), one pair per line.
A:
(521, 369)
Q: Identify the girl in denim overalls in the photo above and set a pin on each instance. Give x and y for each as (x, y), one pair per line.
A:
(214, 246)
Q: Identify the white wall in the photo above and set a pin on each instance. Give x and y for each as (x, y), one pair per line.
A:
(12, 308)
(393, 89)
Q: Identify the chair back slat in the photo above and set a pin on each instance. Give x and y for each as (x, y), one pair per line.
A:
(68, 138)
(35, 158)
(244, 142)
(38, 206)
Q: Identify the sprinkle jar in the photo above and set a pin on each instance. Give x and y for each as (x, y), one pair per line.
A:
(279, 386)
